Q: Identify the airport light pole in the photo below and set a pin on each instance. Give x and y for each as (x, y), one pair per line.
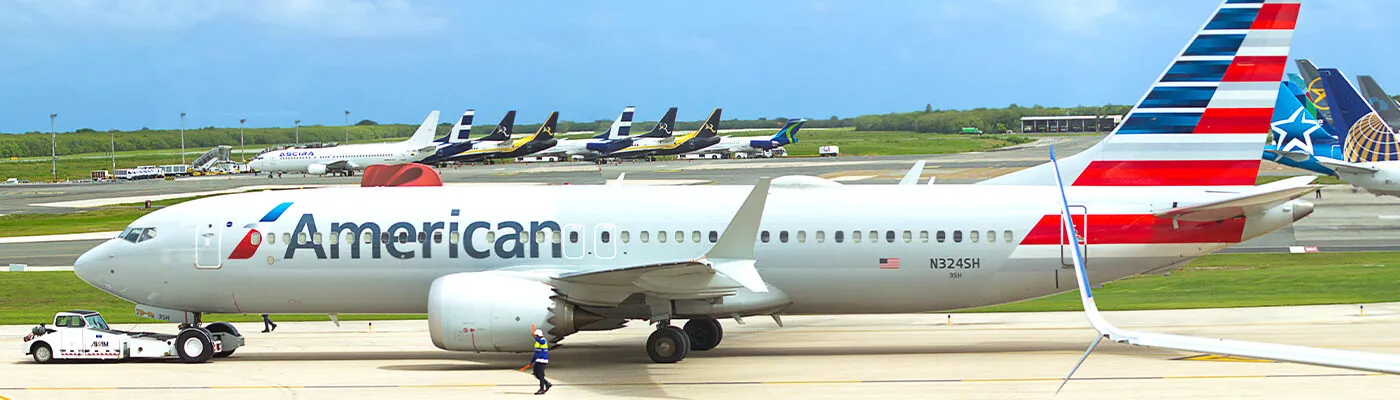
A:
(242, 151)
(182, 138)
(297, 136)
(53, 146)
(347, 126)
(113, 134)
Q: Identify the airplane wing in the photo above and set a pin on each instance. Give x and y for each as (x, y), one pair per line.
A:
(1340, 165)
(340, 165)
(1267, 196)
(912, 177)
(1376, 362)
(722, 271)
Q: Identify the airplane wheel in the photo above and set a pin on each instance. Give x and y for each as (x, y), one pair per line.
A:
(194, 346)
(705, 333)
(668, 345)
(43, 354)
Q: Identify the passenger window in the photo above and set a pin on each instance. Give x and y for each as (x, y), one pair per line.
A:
(1007, 236)
(255, 239)
(763, 237)
(889, 236)
(801, 236)
(301, 238)
(383, 237)
(646, 237)
(573, 237)
(923, 236)
(972, 236)
(605, 237)
(874, 236)
(957, 236)
(991, 236)
(695, 236)
(286, 238)
(661, 236)
(369, 238)
(316, 238)
(942, 236)
(454, 238)
(335, 239)
(271, 238)
(403, 237)
(491, 237)
(422, 237)
(680, 237)
(855, 236)
(783, 236)
(626, 238)
(714, 237)
(908, 236)
(821, 236)
(437, 237)
(840, 236)
(554, 236)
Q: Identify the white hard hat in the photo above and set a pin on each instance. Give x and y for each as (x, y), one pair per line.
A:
(539, 333)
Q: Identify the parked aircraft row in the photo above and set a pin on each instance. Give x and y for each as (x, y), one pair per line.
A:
(1322, 123)
(501, 144)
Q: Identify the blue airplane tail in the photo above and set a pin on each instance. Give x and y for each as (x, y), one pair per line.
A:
(1365, 136)
(1298, 136)
(788, 134)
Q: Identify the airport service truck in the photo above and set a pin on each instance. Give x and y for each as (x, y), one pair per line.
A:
(829, 151)
(84, 335)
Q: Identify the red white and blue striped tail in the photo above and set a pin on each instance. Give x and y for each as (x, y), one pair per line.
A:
(1205, 120)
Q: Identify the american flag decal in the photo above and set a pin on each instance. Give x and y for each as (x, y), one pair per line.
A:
(889, 263)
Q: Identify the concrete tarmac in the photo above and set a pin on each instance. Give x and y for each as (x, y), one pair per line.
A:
(1008, 355)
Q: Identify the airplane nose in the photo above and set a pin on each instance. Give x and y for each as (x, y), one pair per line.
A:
(1301, 208)
(87, 264)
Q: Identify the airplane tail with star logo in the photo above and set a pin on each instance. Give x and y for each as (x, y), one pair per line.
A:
(1298, 136)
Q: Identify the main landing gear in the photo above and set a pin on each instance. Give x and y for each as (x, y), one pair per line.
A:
(669, 344)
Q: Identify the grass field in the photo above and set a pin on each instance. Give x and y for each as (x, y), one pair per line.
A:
(1243, 280)
(1321, 180)
(869, 143)
(101, 219)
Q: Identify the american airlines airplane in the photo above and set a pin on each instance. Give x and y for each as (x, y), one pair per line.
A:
(650, 146)
(588, 149)
(750, 146)
(346, 159)
(1173, 182)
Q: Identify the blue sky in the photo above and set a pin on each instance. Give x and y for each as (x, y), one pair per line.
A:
(139, 63)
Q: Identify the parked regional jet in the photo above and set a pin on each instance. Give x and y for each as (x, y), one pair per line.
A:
(650, 146)
(499, 145)
(751, 146)
(346, 159)
(588, 149)
(1173, 182)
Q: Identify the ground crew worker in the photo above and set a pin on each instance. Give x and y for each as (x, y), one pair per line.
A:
(268, 325)
(541, 360)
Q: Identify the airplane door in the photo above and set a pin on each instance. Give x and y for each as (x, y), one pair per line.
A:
(1080, 216)
(207, 249)
(573, 241)
(605, 242)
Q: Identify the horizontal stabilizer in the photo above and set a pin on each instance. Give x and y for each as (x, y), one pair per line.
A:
(1291, 155)
(1267, 196)
(912, 177)
(1351, 167)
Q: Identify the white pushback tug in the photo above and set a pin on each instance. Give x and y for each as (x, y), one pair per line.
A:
(84, 335)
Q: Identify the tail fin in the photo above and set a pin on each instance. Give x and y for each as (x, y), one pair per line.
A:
(665, 127)
(1205, 119)
(1365, 136)
(1380, 101)
(711, 126)
(546, 131)
(788, 133)
(621, 127)
(424, 135)
(503, 129)
(1315, 92)
(463, 128)
(1294, 128)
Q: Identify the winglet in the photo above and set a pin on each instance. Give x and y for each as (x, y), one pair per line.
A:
(1086, 295)
(618, 181)
(912, 177)
(733, 254)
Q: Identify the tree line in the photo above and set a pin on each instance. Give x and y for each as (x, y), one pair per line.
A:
(986, 119)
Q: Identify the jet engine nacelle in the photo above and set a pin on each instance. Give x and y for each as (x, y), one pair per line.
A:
(316, 169)
(489, 311)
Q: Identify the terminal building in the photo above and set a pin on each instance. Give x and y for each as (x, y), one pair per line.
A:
(1070, 123)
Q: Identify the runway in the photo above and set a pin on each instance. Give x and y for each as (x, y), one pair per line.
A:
(1010, 355)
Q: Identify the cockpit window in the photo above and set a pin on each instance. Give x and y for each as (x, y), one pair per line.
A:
(137, 235)
(96, 322)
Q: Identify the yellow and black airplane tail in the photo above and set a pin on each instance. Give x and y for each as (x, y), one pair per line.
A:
(711, 126)
(546, 131)
(503, 129)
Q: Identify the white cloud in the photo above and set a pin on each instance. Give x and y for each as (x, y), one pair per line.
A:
(337, 18)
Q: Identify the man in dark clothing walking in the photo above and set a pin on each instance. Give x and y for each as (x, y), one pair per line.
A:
(268, 326)
(541, 360)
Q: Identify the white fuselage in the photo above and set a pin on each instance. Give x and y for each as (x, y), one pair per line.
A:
(732, 145)
(568, 149)
(957, 245)
(1384, 181)
(352, 157)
